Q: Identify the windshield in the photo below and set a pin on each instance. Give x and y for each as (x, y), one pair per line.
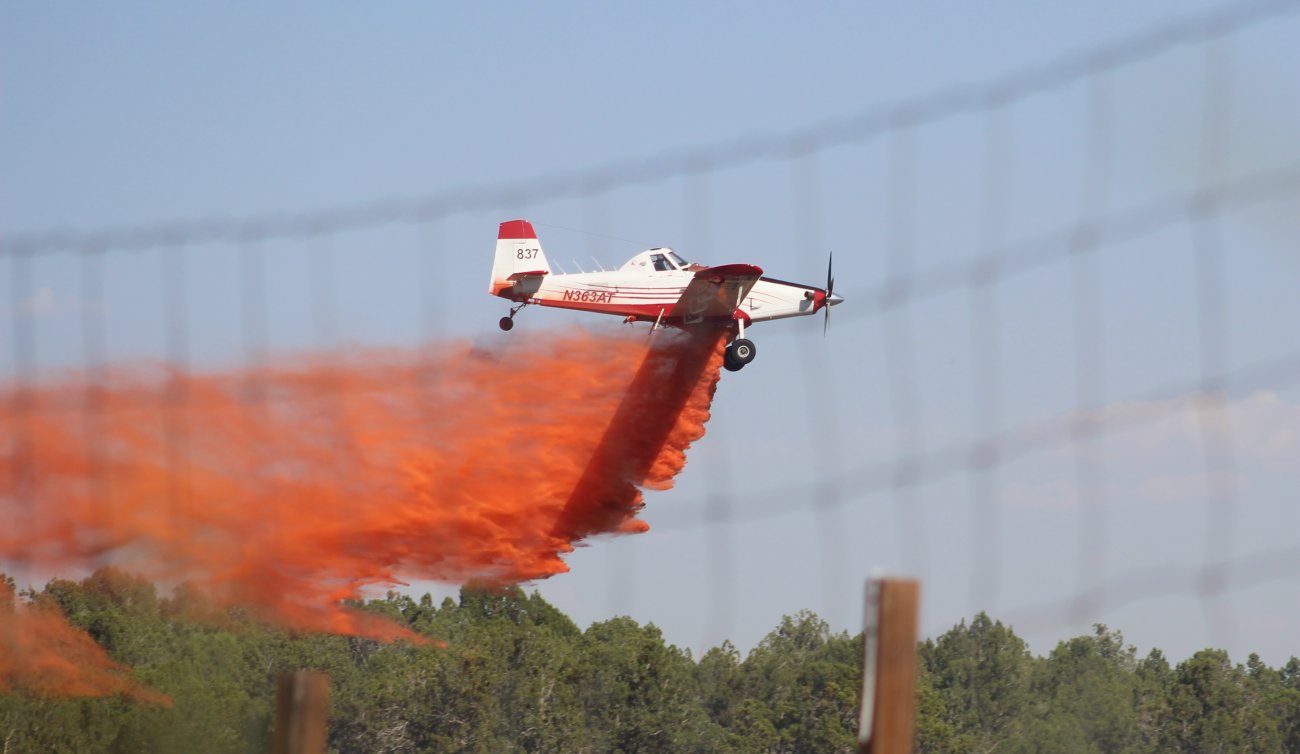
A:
(681, 263)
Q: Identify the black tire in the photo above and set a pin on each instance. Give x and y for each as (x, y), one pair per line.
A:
(742, 351)
(730, 365)
(506, 323)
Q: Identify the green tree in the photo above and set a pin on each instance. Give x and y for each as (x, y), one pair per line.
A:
(639, 694)
(1212, 712)
(982, 673)
(1153, 682)
(808, 681)
(719, 681)
(935, 733)
(1289, 680)
(1082, 697)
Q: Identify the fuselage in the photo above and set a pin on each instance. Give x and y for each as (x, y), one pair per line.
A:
(640, 292)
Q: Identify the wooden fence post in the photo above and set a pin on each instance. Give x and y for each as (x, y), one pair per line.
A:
(302, 700)
(887, 716)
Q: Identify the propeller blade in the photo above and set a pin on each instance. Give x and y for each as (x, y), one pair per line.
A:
(830, 289)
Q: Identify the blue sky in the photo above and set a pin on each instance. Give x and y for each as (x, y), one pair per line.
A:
(139, 113)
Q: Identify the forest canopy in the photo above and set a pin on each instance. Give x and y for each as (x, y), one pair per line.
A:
(505, 671)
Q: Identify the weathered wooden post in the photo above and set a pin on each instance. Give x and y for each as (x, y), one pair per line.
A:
(302, 700)
(887, 716)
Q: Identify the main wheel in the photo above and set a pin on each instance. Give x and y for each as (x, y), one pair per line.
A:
(506, 323)
(743, 351)
(729, 363)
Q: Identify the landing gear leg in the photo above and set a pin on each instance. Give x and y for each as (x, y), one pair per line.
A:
(505, 323)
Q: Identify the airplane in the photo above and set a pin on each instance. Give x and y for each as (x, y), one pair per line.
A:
(655, 286)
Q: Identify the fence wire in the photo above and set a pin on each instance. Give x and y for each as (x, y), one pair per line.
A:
(842, 478)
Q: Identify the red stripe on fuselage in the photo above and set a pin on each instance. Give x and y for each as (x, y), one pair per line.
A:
(640, 310)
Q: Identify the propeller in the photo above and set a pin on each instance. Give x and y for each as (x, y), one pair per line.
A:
(830, 290)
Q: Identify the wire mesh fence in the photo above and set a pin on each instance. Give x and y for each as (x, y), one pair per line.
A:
(873, 185)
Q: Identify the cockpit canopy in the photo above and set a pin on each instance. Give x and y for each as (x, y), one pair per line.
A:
(657, 260)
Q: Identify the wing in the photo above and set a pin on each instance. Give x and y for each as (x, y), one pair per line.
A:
(715, 292)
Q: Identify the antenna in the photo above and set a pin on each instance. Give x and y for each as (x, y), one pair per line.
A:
(575, 264)
(562, 270)
(602, 269)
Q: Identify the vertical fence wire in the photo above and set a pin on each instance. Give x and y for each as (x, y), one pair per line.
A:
(1090, 355)
(825, 437)
(176, 409)
(1213, 336)
(986, 357)
(907, 420)
(24, 413)
(720, 555)
(94, 360)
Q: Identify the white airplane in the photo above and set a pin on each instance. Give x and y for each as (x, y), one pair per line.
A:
(655, 286)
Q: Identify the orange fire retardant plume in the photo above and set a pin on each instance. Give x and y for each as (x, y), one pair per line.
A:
(41, 653)
(289, 488)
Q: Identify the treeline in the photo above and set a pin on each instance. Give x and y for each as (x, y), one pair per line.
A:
(518, 676)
